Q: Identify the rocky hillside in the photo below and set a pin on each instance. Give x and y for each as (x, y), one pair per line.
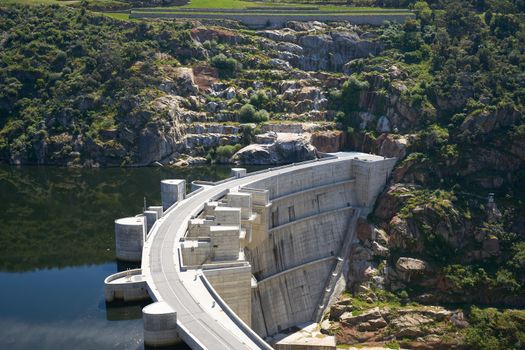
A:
(125, 93)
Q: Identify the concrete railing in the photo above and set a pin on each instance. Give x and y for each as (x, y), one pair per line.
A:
(174, 205)
(223, 265)
(233, 316)
(125, 289)
(189, 339)
(324, 157)
(154, 227)
(193, 193)
(189, 195)
(182, 267)
(127, 273)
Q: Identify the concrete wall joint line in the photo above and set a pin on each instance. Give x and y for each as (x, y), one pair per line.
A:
(316, 216)
(313, 188)
(306, 264)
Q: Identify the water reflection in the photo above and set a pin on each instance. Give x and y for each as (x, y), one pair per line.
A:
(57, 217)
(120, 311)
(57, 246)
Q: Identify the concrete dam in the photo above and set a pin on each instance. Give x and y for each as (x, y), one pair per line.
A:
(239, 263)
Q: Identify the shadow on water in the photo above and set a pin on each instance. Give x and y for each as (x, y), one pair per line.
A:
(120, 311)
(126, 265)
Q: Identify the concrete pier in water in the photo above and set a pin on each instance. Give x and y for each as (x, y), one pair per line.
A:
(129, 237)
(236, 263)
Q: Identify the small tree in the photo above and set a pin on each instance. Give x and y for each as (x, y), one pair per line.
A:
(259, 99)
(227, 66)
(262, 116)
(351, 93)
(247, 113)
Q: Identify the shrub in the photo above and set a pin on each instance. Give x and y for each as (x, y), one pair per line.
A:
(259, 99)
(494, 330)
(227, 151)
(248, 114)
(351, 92)
(262, 116)
(227, 66)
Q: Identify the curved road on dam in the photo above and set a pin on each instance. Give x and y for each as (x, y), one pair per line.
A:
(182, 290)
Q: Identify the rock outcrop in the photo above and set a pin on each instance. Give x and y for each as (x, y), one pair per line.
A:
(415, 327)
(328, 141)
(285, 148)
(325, 51)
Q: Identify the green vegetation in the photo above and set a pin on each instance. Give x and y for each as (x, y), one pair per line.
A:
(392, 345)
(227, 151)
(227, 66)
(94, 5)
(376, 298)
(349, 98)
(69, 72)
(113, 5)
(248, 114)
(82, 88)
(491, 329)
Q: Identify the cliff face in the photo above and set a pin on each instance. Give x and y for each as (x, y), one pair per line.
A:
(328, 141)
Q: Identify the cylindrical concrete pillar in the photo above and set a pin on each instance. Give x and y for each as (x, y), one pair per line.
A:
(172, 191)
(129, 237)
(160, 325)
(151, 216)
(238, 172)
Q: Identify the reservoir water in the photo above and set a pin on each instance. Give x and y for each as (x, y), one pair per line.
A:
(57, 246)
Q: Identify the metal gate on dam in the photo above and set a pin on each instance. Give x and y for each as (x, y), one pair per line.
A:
(235, 263)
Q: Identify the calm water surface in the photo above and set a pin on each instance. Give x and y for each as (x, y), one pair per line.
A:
(57, 246)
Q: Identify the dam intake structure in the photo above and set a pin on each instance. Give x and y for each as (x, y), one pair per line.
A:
(237, 263)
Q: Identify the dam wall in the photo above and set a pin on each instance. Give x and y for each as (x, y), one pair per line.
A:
(310, 202)
(300, 234)
(289, 299)
(265, 250)
(306, 178)
(234, 286)
(300, 242)
(255, 20)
